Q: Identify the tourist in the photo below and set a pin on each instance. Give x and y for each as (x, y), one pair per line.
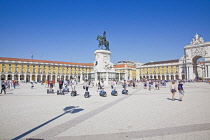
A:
(46, 83)
(181, 90)
(145, 85)
(124, 85)
(32, 85)
(60, 82)
(66, 83)
(86, 85)
(134, 85)
(99, 85)
(150, 85)
(14, 84)
(173, 90)
(92, 84)
(158, 85)
(8, 84)
(3, 87)
(114, 85)
(73, 85)
(102, 85)
(165, 84)
(51, 85)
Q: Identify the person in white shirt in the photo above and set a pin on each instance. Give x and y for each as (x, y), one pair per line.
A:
(73, 84)
(114, 84)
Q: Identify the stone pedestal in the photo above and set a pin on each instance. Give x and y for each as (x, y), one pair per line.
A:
(103, 68)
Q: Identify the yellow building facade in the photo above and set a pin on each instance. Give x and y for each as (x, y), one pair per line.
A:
(161, 70)
(42, 70)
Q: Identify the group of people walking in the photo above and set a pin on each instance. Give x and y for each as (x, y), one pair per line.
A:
(7, 85)
(173, 90)
(154, 84)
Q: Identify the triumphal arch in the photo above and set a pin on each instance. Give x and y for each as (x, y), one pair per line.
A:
(197, 49)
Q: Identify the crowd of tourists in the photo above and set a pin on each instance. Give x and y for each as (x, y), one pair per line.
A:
(8, 84)
(147, 84)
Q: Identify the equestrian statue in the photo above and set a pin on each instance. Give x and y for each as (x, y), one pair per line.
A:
(103, 42)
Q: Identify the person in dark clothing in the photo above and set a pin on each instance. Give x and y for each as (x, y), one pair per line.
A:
(3, 87)
(181, 91)
(60, 84)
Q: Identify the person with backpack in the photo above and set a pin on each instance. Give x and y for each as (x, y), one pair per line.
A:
(181, 91)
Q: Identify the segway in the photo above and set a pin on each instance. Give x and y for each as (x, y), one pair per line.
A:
(60, 92)
(124, 91)
(102, 93)
(73, 93)
(114, 93)
(87, 94)
(50, 90)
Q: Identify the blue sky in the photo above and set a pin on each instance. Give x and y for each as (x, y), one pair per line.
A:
(66, 30)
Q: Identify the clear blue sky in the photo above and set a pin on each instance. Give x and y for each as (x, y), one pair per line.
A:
(66, 30)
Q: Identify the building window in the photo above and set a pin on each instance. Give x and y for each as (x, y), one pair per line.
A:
(10, 70)
(22, 68)
(33, 69)
(48, 69)
(16, 69)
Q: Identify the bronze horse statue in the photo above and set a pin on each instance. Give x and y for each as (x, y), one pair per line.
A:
(102, 42)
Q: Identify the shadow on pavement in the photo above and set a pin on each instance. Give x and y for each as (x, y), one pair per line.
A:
(171, 99)
(68, 109)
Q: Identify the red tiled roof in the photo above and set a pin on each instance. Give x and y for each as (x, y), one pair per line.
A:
(123, 66)
(162, 62)
(44, 61)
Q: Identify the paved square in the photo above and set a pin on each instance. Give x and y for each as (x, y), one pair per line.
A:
(143, 114)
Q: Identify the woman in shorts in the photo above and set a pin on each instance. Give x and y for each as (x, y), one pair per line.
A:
(173, 90)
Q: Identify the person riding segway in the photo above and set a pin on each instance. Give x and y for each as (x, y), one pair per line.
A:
(102, 92)
(113, 86)
(51, 88)
(87, 94)
(124, 91)
(60, 91)
(73, 87)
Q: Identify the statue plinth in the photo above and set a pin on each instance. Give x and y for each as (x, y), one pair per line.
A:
(103, 68)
